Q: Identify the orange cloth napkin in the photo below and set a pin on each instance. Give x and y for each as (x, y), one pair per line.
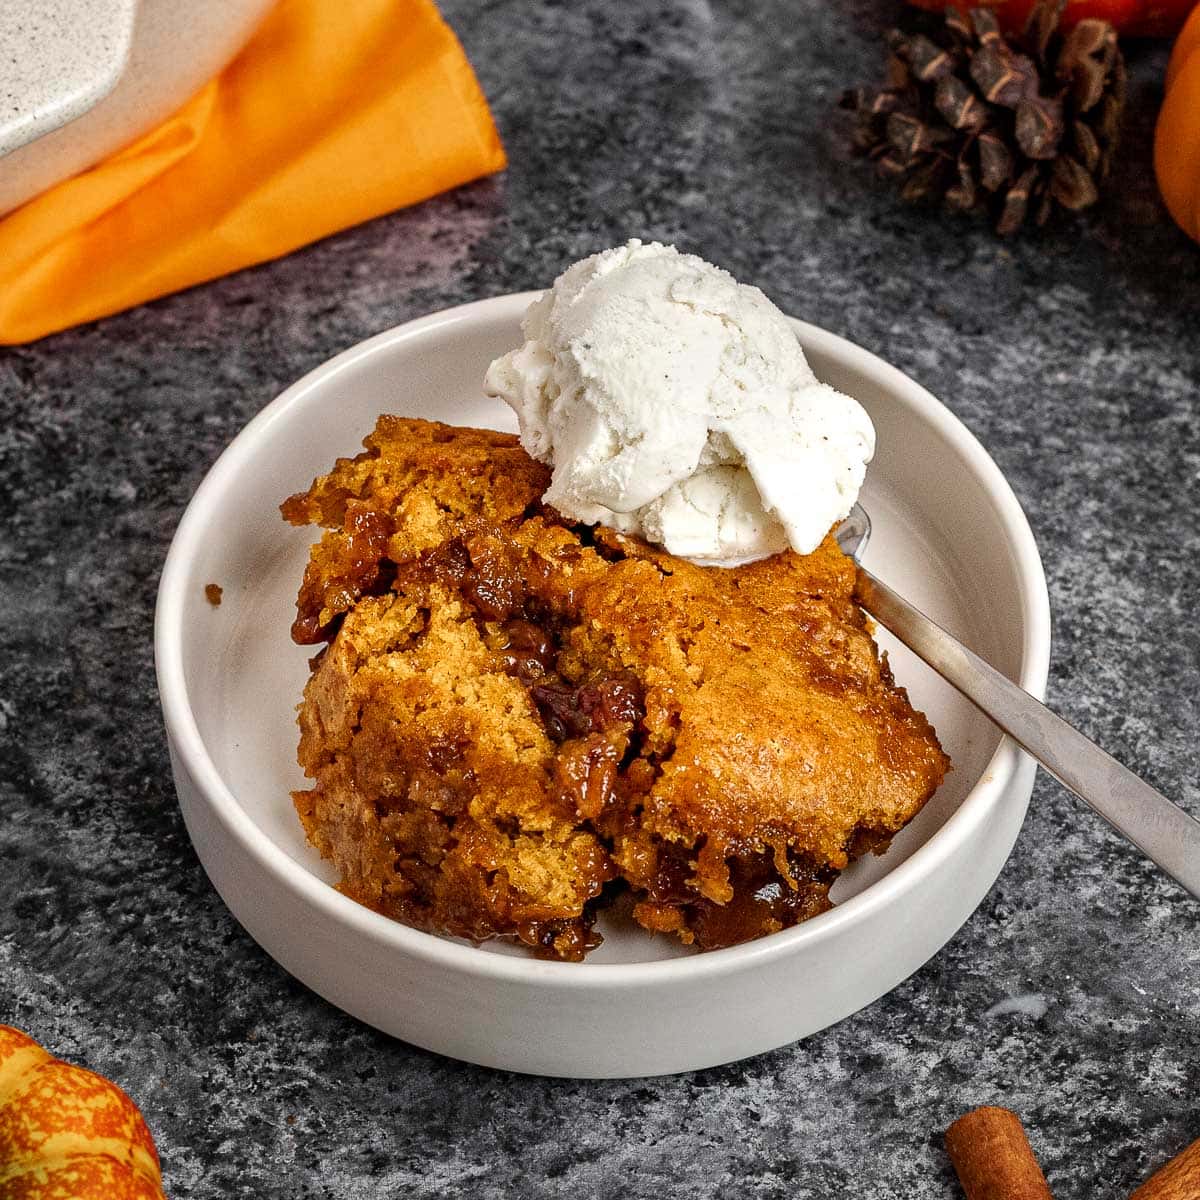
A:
(335, 112)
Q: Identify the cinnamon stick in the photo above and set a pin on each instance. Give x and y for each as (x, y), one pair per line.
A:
(993, 1158)
(1178, 1180)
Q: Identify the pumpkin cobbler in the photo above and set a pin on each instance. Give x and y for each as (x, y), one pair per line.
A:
(517, 720)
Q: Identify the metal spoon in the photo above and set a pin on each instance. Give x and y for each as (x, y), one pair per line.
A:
(1160, 829)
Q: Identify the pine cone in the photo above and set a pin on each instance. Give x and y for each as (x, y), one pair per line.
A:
(1013, 127)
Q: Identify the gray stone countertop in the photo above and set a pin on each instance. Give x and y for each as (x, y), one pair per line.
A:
(1071, 995)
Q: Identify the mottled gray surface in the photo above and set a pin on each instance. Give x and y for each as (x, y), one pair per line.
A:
(1073, 356)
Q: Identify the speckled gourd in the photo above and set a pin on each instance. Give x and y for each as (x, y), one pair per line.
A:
(67, 1133)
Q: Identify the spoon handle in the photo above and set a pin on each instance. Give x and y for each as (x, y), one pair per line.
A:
(1160, 829)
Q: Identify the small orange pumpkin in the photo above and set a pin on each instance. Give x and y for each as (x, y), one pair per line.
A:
(1177, 136)
(68, 1134)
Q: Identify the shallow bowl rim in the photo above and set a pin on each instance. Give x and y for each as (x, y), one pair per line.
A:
(392, 936)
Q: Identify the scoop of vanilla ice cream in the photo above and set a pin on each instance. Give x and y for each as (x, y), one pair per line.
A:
(675, 403)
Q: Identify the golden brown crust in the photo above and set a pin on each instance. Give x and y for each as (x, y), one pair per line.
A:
(515, 712)
(419, 484)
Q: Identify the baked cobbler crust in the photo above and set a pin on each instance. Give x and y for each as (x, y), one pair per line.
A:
(517, 719)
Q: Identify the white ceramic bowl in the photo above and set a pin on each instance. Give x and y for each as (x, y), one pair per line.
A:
(948, 533)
